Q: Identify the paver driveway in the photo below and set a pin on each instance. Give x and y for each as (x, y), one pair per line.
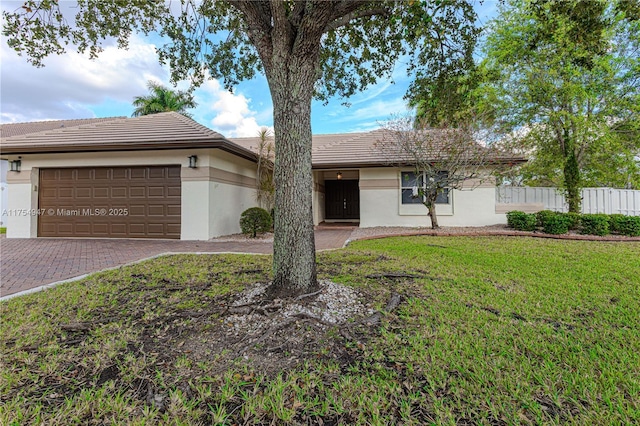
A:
(30, 263)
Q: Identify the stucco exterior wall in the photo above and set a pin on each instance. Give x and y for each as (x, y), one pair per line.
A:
(22, 203)
(213, 195)
(196, 196)
(227, 203)
(4, 194)
(381, 203)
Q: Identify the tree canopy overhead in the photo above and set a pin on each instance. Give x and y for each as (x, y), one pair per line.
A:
(360, 41)
(305, 48)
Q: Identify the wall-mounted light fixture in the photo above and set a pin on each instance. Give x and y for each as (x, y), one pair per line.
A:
(339, 175)
(15, 165)
(193, 161)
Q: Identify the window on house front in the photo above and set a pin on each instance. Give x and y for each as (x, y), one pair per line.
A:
(410, 184)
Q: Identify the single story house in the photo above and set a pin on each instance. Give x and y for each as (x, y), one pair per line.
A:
(166, 176)
(17, 129)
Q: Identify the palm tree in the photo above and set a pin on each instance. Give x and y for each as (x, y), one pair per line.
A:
(162, 99)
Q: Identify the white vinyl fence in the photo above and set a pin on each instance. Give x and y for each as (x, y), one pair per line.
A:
(594, 200)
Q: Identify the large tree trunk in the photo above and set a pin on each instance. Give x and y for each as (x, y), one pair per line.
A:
(289, 48)
(294, 263)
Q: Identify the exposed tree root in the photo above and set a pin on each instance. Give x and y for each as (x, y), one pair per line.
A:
(394, 276)
(392, 304)
(76, 326)
(304, 296)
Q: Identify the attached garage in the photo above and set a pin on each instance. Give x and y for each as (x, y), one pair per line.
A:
(158, 176)
(110, 202)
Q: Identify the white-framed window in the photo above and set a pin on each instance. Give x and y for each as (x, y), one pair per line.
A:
(411, 182)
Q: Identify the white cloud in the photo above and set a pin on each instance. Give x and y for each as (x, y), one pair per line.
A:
(70, 84)
(232, 115)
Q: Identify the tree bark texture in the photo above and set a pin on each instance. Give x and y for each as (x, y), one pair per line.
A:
(572, 183)
(432, 215)
(571, 173)
(294, 265)
(289, 47)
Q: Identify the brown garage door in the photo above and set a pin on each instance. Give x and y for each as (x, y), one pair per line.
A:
(110, 202)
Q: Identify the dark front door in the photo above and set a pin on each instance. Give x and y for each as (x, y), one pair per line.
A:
(342, 199)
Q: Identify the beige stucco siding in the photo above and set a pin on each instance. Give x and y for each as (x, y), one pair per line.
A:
(22, 200)
(381, 203)
(474, 208)
(227, 203)
(213, 195)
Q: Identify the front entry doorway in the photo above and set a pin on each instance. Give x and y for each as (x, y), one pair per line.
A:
(342, 200)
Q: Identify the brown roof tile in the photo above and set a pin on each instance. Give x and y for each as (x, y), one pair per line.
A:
(345, 150)
(16, 129)
(166, 130)
(173, 130)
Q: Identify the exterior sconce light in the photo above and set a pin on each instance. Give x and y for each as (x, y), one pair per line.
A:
(193, 160)
(339, 175)
(15, 165)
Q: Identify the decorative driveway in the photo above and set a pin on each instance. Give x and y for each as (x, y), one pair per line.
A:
(29, 263)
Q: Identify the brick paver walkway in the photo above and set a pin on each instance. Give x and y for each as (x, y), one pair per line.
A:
(32, 262)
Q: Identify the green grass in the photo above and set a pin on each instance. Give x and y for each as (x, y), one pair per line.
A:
(3, 230)
(495, 331)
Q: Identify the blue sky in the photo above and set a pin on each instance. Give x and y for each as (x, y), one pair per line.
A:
(72, 86)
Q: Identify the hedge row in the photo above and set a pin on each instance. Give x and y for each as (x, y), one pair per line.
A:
(560, 223)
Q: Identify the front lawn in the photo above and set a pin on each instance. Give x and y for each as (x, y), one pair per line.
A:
(490, 330)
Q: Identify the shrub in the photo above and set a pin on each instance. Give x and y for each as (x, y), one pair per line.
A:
(625, 225)
(574, 220)
(595, 224)
(542, 216)
(521, 221)
(555, 223)
(255, 221)
(616, 223)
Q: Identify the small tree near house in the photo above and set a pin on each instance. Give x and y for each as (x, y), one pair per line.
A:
(266, 187)
(442, 159)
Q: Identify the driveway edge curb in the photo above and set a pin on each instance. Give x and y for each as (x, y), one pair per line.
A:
(83, 276)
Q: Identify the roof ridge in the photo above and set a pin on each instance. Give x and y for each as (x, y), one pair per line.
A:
(191, 121)
(109, 123)
(63, 129)
(65, 119)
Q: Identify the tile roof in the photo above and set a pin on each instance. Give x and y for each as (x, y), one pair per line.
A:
(17, 129)
(168, 130)
(172, 130)
(346, 150)
(339, 149)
